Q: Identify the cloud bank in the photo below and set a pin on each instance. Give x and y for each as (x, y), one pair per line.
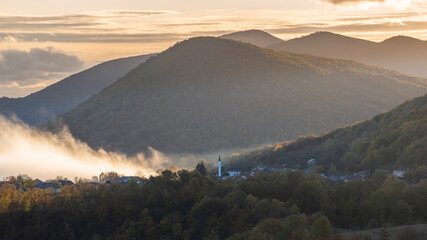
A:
(40, 154)
(160, 27)
(337, 2)
(104, 35)
(31, 67)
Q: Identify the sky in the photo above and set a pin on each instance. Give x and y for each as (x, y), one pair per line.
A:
(43, 41)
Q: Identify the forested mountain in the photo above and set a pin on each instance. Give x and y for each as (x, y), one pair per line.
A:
(256, 37)
(404, 54)
(42, 106)
(207, 94)
(394, 139)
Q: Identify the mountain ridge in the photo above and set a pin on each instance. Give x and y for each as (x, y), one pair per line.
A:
(401, 53)
(42, 106)
(397, 138)
(211, 94)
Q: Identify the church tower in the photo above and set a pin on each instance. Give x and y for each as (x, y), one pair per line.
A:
(219, 166)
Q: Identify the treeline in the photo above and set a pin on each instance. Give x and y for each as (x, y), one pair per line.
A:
(394, 139)
(191, 205)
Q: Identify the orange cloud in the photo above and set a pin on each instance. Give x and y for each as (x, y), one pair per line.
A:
(339, 2)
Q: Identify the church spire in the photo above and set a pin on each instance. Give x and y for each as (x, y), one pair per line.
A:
(219, 166)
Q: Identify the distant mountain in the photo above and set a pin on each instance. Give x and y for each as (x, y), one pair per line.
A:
(210, 94)
(42, 106)
(405, 41)
(256, 37)
(403, 54)
(393, 139)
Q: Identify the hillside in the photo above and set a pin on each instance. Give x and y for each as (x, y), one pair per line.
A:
(256, 37)
(209, 94)
(403, 54)
(42, 106)
(392, 139)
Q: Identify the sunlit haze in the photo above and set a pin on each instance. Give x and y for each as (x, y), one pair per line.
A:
(28, 151)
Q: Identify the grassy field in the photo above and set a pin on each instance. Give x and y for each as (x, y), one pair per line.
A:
(375, 233)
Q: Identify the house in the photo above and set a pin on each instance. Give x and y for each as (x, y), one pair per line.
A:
(337, 177)
(225, 176)
(400, 172)
(259, 168)
(49, 186)
(65, 183)
(364, 173)
(37, 181)
(311, 162)
(125, 180)
(111, 181)
(354, 177)
(234, 172)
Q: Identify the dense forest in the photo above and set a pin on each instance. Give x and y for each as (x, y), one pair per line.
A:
(397, 138)
(195, 205)
(210, 94)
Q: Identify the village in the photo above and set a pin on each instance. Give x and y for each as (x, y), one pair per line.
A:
(55, 186)
(312, 166)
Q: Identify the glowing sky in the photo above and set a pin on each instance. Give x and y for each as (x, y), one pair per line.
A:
(87, 32)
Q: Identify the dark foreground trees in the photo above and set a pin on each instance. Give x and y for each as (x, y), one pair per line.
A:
(189, 205)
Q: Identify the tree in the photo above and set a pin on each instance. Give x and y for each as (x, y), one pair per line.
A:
(321, 228)
(108, 176)
(332, 169)
(295, 227)
(379, 176)
(311, 196)
(320, 169)
(267, 228)
(421, 172)
(201, 168)
(402, 212)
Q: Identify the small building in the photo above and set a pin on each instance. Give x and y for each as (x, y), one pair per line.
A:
(225, 175)
(65, 183)
(354, 177)
(125, 180)
(311, 162)
(37, 181)
(48, 186)
(234, 172)
(337, 177)
(400, 172)
(364, 173)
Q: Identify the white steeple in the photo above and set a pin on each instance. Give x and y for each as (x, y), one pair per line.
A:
(219, 166)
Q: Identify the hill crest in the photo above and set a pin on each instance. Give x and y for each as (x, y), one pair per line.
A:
(210, 94)
(44, 105)
(254, 36)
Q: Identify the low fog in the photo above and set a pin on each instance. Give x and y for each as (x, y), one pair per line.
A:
(40, 154)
